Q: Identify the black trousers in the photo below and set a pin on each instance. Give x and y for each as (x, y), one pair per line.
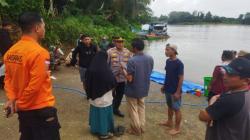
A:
(118, 95)
(41, 124)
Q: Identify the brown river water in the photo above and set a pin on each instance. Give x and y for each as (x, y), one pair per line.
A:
(200, 47)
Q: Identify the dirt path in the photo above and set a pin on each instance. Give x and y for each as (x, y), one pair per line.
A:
(73, 114)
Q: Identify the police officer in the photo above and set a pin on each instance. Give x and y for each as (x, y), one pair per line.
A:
(118, 58)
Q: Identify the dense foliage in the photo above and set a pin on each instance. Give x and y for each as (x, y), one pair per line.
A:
(244, 19)
(66, 19)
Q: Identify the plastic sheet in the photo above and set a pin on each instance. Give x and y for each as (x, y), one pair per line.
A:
(188, 86)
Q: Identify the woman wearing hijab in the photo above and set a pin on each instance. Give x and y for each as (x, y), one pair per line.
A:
(99, 84)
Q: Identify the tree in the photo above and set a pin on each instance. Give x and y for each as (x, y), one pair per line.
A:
(209, 17)
(247, 19)
(16, 7)
(145, 17)
(3, 3)
(241, 16)
(201, 15)
(163, 18)
(130, 9)
(195, 13)
(217, 19)
(55, 6)
(51, 10)
(179, 17)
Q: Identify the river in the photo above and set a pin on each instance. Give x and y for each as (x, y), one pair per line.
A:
(200, 47)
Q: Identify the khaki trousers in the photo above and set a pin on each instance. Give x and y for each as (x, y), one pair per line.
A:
(136, 110)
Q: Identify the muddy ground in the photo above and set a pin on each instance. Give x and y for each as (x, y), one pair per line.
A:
(73, 114)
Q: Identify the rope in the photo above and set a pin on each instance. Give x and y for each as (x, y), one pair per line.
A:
(79, 92)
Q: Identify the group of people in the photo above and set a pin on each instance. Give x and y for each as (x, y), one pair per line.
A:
(107, 74)
(130, 71)
(110, 73)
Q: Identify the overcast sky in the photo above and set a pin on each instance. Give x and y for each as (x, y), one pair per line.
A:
(228, 8)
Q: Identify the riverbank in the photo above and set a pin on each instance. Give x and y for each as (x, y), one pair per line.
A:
(73, 114)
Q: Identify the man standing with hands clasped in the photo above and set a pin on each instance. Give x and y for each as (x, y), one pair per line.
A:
(27, 83)
(173, 88)
(139, 69)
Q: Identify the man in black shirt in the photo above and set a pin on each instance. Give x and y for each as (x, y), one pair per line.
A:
(5, 44)
(5, 40)
(228, 115)
(86, 51)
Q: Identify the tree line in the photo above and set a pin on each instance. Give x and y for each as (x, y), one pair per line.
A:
(201, 17)
(129, 9)
(66, 19)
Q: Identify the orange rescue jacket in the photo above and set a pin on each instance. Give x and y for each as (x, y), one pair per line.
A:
(27, 76)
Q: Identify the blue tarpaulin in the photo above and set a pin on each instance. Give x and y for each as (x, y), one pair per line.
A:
(187, 87)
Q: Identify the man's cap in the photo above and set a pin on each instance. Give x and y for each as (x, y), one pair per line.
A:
(119, 39)
(172, 46)
(239, 67)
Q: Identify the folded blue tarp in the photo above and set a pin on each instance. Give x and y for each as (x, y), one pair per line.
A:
(187, 87)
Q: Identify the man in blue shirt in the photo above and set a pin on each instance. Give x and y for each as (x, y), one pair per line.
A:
(173, 88)
(139, 69)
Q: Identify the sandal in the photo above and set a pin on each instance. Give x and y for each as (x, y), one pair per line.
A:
(119, 131)
(105, 137)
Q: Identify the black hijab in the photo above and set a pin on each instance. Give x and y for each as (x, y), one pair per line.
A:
(99, 77)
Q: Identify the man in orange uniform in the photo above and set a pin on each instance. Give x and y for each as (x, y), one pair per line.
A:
(28, 85)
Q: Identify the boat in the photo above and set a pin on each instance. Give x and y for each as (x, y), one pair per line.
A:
(153, 31)
(160, 29)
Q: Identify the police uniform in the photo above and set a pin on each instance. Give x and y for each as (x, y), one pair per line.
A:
(118, 59)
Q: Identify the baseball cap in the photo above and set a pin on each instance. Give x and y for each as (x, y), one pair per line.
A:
(172, 46)
(239, 67)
